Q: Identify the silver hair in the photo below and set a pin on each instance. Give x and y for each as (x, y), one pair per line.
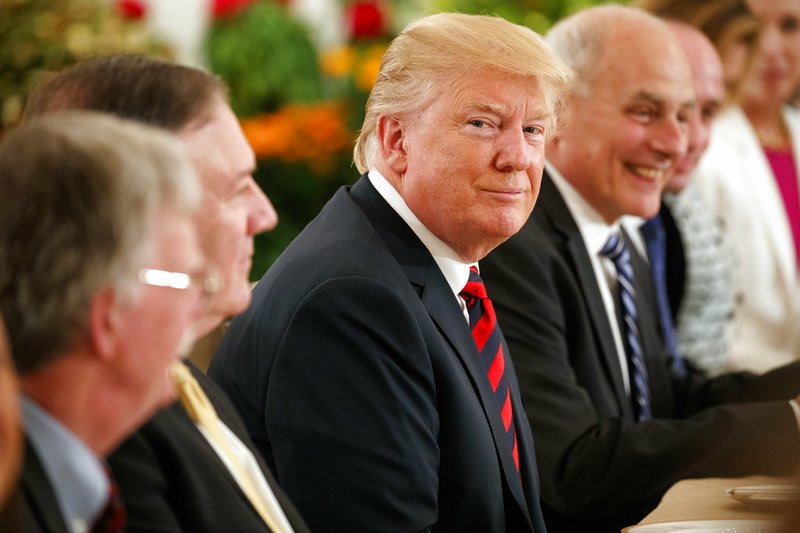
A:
(81, 191)
(580, 38)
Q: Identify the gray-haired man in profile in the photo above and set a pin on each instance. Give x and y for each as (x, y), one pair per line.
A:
(98, 248)
(171, 455)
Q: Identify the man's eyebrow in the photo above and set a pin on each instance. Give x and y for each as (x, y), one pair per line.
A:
(503, 110)
(647, 96)
(491, 107)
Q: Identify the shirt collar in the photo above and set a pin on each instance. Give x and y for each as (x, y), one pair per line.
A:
(455, 270)
(75, 473)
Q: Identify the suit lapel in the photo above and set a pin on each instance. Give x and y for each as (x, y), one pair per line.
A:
(40, 506)
(212, 459)
(435, 294)
(443, 309)
(553, 207)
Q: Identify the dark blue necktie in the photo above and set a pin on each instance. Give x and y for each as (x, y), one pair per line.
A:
(619, 254)
(655, 241)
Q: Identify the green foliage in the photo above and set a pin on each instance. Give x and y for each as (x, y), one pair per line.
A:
(46, 35)
(298, 194)
(266, 57)
(538, 15)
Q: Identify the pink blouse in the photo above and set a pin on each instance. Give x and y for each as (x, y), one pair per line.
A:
(785, 171)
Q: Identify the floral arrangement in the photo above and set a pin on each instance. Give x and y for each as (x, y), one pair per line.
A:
(45, 35)
(315, 134)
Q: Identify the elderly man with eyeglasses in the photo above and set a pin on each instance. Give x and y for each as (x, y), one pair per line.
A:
(89, 203)
(192, 466)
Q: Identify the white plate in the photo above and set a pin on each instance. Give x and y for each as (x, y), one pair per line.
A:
(711, 526)
(766, 496)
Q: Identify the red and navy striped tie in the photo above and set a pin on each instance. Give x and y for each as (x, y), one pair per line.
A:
(487, 336)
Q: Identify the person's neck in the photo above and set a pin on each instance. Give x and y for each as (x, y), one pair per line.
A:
(80, 398)
(767, 121)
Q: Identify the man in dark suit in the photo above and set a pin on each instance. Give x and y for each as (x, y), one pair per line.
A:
(355, 368)
(94, 328)
(616, 421)
(172, 477)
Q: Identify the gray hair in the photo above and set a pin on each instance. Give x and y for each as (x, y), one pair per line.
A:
(437, 49)
(81, 191)
(580, 38)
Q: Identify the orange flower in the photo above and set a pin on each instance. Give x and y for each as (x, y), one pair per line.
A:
(338, 62)
(314, 134)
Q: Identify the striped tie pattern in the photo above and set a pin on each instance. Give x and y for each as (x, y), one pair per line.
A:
(488, 339)
(619, 254)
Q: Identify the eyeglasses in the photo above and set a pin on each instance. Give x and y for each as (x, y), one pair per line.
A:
(208, 281)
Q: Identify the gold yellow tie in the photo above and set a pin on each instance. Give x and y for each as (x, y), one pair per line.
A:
(201, 411)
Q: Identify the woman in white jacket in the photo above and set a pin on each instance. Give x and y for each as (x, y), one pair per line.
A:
(750, 177)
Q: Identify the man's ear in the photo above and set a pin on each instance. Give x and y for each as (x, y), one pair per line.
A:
(391, 142)
(104, 323)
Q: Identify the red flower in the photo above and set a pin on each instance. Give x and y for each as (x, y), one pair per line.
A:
(226, 8)
(132, 9)
(365, 19)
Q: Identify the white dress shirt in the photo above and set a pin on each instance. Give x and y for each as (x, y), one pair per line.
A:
(251, 469)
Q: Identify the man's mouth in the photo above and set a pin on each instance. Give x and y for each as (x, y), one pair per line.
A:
(650, 173)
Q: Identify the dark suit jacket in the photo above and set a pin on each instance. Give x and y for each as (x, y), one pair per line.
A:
(40, 510)
(358, 378)
(11, 513)
(172, 480)
(601, 470)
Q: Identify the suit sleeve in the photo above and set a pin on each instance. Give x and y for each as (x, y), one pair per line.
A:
(592, 460)
(351, 411)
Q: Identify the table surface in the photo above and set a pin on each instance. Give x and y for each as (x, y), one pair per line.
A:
(707, 499)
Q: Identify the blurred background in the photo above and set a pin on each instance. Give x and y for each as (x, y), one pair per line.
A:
(299, 71)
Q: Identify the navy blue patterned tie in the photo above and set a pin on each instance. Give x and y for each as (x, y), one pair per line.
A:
(655, 241)
(616, 250)
(488, 339)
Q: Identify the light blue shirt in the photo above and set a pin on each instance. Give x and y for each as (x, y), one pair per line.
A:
(75, 473)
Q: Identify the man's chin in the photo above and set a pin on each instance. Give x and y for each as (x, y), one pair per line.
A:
(222, 308)
(678, 182)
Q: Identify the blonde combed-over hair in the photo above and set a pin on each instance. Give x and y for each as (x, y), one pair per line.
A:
(437, 49)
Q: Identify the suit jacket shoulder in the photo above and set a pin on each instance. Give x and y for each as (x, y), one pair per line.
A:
(172, 480)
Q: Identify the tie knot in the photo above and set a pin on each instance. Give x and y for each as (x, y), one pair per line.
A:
(474, 287)
(615, 249)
